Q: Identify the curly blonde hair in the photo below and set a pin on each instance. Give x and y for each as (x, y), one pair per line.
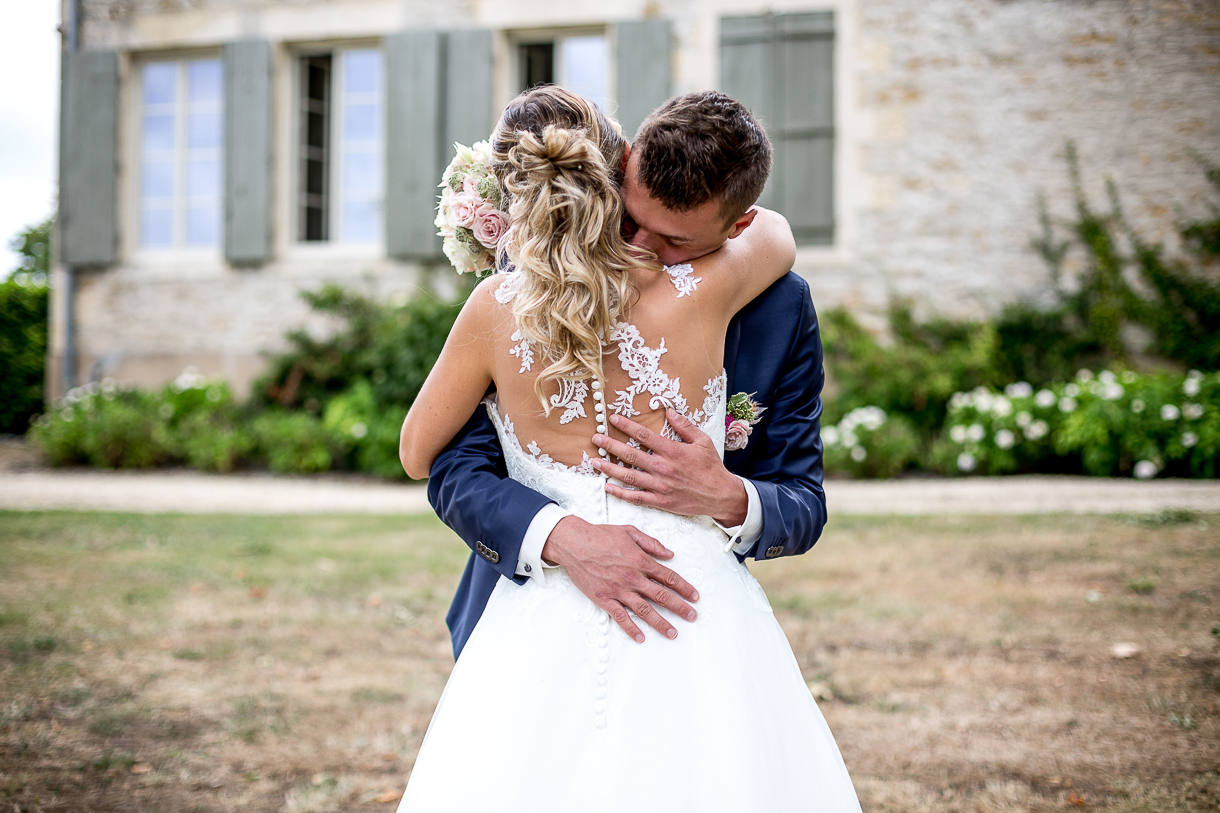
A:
(561, 162)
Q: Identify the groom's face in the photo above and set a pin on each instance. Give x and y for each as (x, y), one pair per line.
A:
(675, 237)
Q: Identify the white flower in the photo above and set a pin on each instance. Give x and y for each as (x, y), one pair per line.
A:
(976, 432)
(966, 461)
(1195, 374)
(1005, 439)
(1112, 391)
(1189, 439)
(1002, 407)
(858, 454)
(359, 429)
(214, 394)
(1024, 419)
(957, 433)
(1093, 596)
(1190, 387)
(1129, 376)
(1137, 405)
(849, 438)
(1169, 412)
(1021, 389)
(983, 400)
(462, 258)
(1037, 430)
(959, 400)
(1044, 399)
(1071, 390)
(1084, 375)
(830, 436)
(1145, 470)
(1106, 377)
(1067, 404)
(1192, 411)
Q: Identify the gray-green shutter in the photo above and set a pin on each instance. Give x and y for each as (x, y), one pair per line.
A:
(782, 67)
(88, 158)
(415, 145)
(247, 148)
(642, 70)
(468, 96)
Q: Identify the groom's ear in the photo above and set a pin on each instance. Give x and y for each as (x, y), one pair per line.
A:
(740, 224)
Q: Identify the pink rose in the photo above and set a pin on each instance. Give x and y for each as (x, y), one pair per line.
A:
(490, 224)
(470, 184)
(462, 208)
(737, 435)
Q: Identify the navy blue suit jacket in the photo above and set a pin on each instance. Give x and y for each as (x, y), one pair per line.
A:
(772, 349)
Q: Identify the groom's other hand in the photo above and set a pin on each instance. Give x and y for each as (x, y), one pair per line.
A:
(616, 567)
(686, 478)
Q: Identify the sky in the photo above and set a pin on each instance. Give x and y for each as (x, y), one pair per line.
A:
(29, 114)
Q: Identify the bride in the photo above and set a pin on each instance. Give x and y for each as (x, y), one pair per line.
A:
(583, 329)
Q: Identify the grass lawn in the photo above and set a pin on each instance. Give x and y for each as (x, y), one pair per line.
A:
(215, 663)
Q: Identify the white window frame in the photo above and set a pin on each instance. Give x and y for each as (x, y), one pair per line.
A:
(131, 130)
(292, 244)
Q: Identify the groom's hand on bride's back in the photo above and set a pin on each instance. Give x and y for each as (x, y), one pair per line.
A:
(616, 567)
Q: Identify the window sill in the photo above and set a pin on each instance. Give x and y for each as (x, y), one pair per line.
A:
(320, 252)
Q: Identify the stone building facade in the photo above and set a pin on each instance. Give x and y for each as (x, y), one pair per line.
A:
(913, 138)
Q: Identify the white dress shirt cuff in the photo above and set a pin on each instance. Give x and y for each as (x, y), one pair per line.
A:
(742, 537)
(529, 561)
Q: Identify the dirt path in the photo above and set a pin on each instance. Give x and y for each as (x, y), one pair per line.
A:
(195, 493)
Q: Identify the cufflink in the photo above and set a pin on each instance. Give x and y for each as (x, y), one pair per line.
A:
(773, 551)
(529, 569)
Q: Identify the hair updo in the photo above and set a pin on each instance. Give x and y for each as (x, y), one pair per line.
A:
(561, 162)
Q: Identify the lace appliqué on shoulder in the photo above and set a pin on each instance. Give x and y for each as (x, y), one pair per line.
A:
(683, 278)
(508, 288)
(522, 350)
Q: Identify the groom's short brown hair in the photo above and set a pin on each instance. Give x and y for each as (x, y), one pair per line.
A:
(703, 146)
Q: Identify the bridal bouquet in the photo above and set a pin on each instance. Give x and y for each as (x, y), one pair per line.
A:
(471, 215)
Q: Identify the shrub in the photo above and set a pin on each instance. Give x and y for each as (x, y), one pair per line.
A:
(1111, 424)
(293, 442)
(369, 433)
(108, 426)
(869, 443)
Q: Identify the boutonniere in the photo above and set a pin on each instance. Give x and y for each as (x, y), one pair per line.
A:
(740, 415)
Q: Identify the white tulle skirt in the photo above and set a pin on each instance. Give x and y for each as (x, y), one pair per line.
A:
(551, 707)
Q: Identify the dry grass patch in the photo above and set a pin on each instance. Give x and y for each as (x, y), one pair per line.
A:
(269, 663)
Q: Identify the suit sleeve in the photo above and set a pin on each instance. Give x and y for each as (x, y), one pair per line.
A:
(471, 491)
(786, 467)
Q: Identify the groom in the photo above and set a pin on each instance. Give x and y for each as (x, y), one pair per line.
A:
(696, 167)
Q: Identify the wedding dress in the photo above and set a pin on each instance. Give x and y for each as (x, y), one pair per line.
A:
(551, 707)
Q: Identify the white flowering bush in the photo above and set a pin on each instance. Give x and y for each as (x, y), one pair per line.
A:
(867, 442)
(1108, 424)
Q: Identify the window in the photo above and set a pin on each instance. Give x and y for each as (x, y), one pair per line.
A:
(580, 63)
(781, 66)
(181, 153)
(341, 184)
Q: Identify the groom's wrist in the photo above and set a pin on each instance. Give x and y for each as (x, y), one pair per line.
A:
(734, 504)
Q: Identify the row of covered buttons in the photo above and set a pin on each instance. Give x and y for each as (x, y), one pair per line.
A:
(599, 405)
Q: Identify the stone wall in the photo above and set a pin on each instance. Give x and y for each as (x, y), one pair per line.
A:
(952, 117)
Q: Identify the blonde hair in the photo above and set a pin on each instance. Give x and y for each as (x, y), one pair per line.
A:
(560, 160)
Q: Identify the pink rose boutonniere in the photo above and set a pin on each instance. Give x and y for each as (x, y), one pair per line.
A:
(740, 414)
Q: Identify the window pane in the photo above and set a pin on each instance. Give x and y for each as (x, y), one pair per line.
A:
(361, 221)
(361, 72)
(586, 68)
(158, 133)
(203, 179)
(362, 173)
(203, 226)
(204, 80)
(156, 227)
(157, 179)
(160, 82)
(203, 130)
(361, 122)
